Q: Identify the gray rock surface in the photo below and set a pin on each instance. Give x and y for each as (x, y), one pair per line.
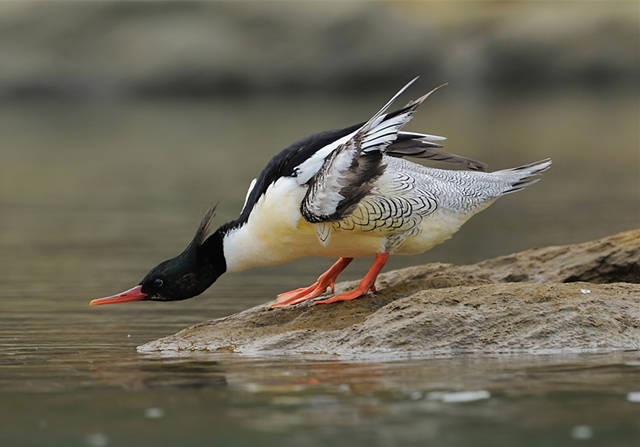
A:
(537, 300)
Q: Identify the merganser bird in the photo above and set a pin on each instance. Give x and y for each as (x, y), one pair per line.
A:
(343, 193)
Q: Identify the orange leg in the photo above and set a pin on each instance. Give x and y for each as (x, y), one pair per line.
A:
(366, 284)
(331, 274)
(327, 279)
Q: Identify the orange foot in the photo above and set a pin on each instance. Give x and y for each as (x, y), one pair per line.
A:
(327, 279)
(366, 284)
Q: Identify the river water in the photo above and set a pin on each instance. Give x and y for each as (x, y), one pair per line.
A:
(92, 196)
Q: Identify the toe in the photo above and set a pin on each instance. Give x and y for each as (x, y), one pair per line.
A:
(347, 296)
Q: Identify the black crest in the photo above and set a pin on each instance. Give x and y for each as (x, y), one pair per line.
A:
(203, 229)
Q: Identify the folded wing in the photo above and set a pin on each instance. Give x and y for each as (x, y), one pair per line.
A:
(349, 172)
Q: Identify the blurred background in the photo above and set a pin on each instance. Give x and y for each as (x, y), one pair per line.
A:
(107, 51)
(121, 123)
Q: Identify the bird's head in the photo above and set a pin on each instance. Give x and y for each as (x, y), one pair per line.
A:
(183, 276)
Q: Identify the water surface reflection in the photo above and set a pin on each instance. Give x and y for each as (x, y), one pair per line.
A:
(91, 197)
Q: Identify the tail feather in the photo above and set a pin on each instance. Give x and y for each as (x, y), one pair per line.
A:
(523, 176)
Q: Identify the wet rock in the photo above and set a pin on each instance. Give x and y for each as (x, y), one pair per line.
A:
(537, 300)
(611, 259)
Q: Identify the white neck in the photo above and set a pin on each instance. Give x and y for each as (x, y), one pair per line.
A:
(266, 237)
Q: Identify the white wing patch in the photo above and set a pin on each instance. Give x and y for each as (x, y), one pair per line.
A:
(382, 134)
(305, 171)
(347, 175)
(251, 186)
(312, 165)
(325, 189)
(424, 136)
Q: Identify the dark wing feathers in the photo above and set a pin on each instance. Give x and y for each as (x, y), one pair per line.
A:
(283, 164)
(348, 174)
(406, 144)
(410, 145)
(341, 183)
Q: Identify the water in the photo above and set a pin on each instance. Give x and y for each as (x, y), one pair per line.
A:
(91, 196)
(71, 399)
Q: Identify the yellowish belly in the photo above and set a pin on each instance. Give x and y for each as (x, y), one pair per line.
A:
(276, 233)
(350, 244)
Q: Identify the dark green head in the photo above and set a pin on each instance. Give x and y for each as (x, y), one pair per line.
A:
(183, 276)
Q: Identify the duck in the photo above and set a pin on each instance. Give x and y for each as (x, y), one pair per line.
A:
(344, 193)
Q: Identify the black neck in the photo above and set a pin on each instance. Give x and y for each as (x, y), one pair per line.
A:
(212, 251)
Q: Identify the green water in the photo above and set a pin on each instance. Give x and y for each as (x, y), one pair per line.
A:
(91, 196)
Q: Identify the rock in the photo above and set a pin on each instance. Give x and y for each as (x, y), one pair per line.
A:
(610, 259)
(529, 301)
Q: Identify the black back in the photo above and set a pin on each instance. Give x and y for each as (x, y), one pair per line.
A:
(284, 164)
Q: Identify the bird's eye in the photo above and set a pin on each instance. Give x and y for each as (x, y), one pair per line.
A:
(158, 283)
